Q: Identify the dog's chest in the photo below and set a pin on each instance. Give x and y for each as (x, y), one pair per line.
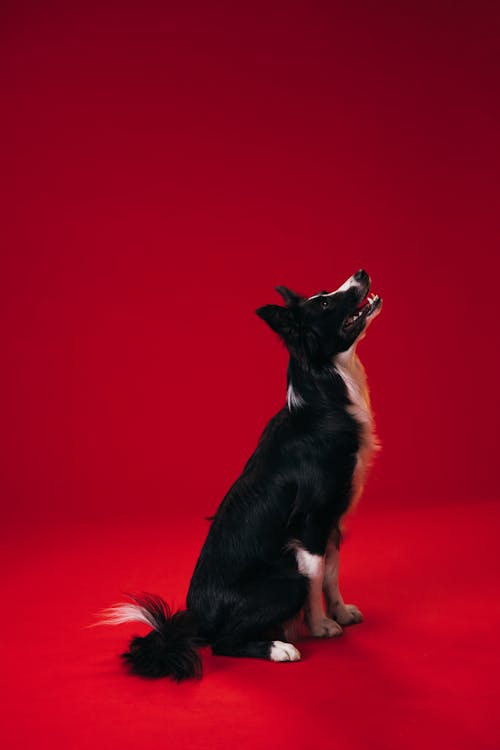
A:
(353, 374)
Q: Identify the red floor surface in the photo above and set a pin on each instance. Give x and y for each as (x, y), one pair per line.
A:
(421, 671)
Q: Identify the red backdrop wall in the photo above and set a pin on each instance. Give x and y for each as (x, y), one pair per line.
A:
(166, 166)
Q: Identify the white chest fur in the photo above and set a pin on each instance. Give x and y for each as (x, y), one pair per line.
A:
(353, 374)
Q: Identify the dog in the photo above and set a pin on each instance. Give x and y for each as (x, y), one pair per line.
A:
(272, 550)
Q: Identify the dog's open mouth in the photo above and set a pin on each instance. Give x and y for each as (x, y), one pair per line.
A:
(365, 308)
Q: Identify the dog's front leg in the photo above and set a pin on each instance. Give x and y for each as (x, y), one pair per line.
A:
(344, 614)
(313, 566)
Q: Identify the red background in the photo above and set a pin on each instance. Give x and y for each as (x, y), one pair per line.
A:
(164, 167)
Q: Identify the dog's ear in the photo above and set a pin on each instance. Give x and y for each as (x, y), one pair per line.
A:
(280, 319)
(290, 297)
(300, 341)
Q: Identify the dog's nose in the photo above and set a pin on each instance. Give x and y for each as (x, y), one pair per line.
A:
(360, 275)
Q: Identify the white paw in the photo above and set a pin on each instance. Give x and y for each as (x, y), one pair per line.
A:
(324, 628)
(281, 651)
(347, 614)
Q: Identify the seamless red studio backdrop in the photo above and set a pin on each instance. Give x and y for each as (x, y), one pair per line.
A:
(165, 167)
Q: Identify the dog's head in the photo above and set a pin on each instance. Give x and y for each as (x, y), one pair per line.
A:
(317, 328)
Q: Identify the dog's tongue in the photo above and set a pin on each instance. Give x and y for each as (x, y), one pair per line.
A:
(362, 304)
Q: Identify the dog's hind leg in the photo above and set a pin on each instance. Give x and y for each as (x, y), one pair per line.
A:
(264, 604)
(272, 650)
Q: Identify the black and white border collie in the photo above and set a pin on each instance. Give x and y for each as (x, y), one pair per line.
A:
(272, 550)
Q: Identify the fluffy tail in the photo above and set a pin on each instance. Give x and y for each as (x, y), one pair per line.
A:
(169, 649)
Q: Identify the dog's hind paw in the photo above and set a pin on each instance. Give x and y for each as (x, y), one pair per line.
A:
(281, 651)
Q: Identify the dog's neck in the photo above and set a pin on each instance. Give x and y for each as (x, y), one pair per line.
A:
(341, 383)
(348, 366)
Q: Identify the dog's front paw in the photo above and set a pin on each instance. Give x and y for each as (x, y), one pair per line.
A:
(347, 614)
(324, 628)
